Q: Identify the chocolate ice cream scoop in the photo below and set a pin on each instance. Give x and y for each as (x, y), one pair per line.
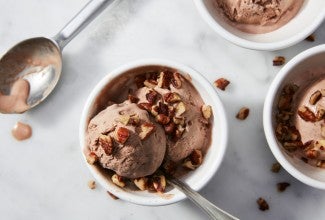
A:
(126, 141)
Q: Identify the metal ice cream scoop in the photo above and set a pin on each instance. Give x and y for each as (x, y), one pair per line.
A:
(39, 60)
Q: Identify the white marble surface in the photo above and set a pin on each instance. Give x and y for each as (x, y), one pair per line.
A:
(45, 177)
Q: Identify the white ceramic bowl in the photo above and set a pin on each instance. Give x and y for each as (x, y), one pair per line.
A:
(196, 179)
(312, 59)
(302, 25)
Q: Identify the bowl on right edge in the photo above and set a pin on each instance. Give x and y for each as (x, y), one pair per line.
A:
(307, 67)
(309, 17)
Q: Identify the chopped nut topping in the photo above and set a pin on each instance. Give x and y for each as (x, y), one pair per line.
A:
(150, 83)
(134, 120)
(172, 97)
(118, 180)
(141, 183)
(151, 96)
(146, 129)
(91, 158)
(320, 114)
(169, 128)
(162, 119)
(312, 154)
(170, 167)
(206, 111)
(194, 160)
(243, 113)
(121, 135)
(262, 204)
(124, 119)
(176, 81)
(310, 38)
(145, 106)
(163, 108)
(164, 79)
(112, 195)
(282, 186)
(180, 109)
(133, 99)
(179, 120)
(139, 80)
(105, 141)
(155, 110)
(159, 183)
(315, 97)
(292, 146)
(278, 61)
(91, 184)
(221, 83)
(179, 132)
(276, 167)
(285, 102)
(306, 114)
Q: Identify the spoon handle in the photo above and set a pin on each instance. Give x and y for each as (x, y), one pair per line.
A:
(212, 211)
(80, 21)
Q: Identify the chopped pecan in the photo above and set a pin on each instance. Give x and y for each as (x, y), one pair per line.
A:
(159, 183)
(118, 180)
(221, 83)
(311, 153)
(278, 61)
(145, 106)
(163, 108)
(170, 167)
(290, 89)
(194, 160)
(150, 83)
(169, 128)
(176, 81)
(151, 96)
(141, 183)
(172, 97)
(285, 102)
(139, 80)
(121, 135)
(91, 184)
(320, 114)
(282, 186)
(306, 114)
(315, 97)
(134, 120)
(155, 110)
(243, 113)
(162, 119)
(124, 119)
(206, 111)
(91, 158)
(310, 38)
(106, 142)
(276, 167)
(180, 109)
(146, 129)
(292, 146)
(262, 204)
(164, 79)
(132, 98)
(179, 120)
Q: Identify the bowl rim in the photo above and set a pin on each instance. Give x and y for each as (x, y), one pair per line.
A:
(267, 117)
(178, 196)
(256, 45)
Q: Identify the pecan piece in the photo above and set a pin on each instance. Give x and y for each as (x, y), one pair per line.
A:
(278, 61)
(154, 110)
(162, 119)
(105, 141)
(134, 120)
(151, 96)
(180, 109)
(315, 97)
(221, 83)
(312, 154)
(164, 79)
(179, 120)
(320, 114)
(146, 129)
(310, 38)
(172, 97)
(284, 102)
(194, 160)
(282, 186)
(118, 180)
(124, 119)
(276, 167)
(243, 113)
(121, 135)
(145, 106)
(132, 98)
(176, 80)
(91, 158)
(262, 204)
(206, 111)
(159, 183)
(150, 83)
(292, 146)
(306, 114)
(91, 184)
(139, 80)
(169, 128)
(141, 183)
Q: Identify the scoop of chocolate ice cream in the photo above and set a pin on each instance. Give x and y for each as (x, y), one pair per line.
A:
(126, 141)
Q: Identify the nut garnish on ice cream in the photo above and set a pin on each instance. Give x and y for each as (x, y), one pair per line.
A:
(154, 120)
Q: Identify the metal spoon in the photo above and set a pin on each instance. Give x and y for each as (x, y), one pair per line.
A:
(39, 60)
(211, 210)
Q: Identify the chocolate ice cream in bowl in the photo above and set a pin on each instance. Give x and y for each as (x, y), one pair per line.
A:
(263, 24)
(294, 117)
(149, 119)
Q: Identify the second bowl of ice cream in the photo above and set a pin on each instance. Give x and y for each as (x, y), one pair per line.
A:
(149, 118)
(294, 117)
(263, 24)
